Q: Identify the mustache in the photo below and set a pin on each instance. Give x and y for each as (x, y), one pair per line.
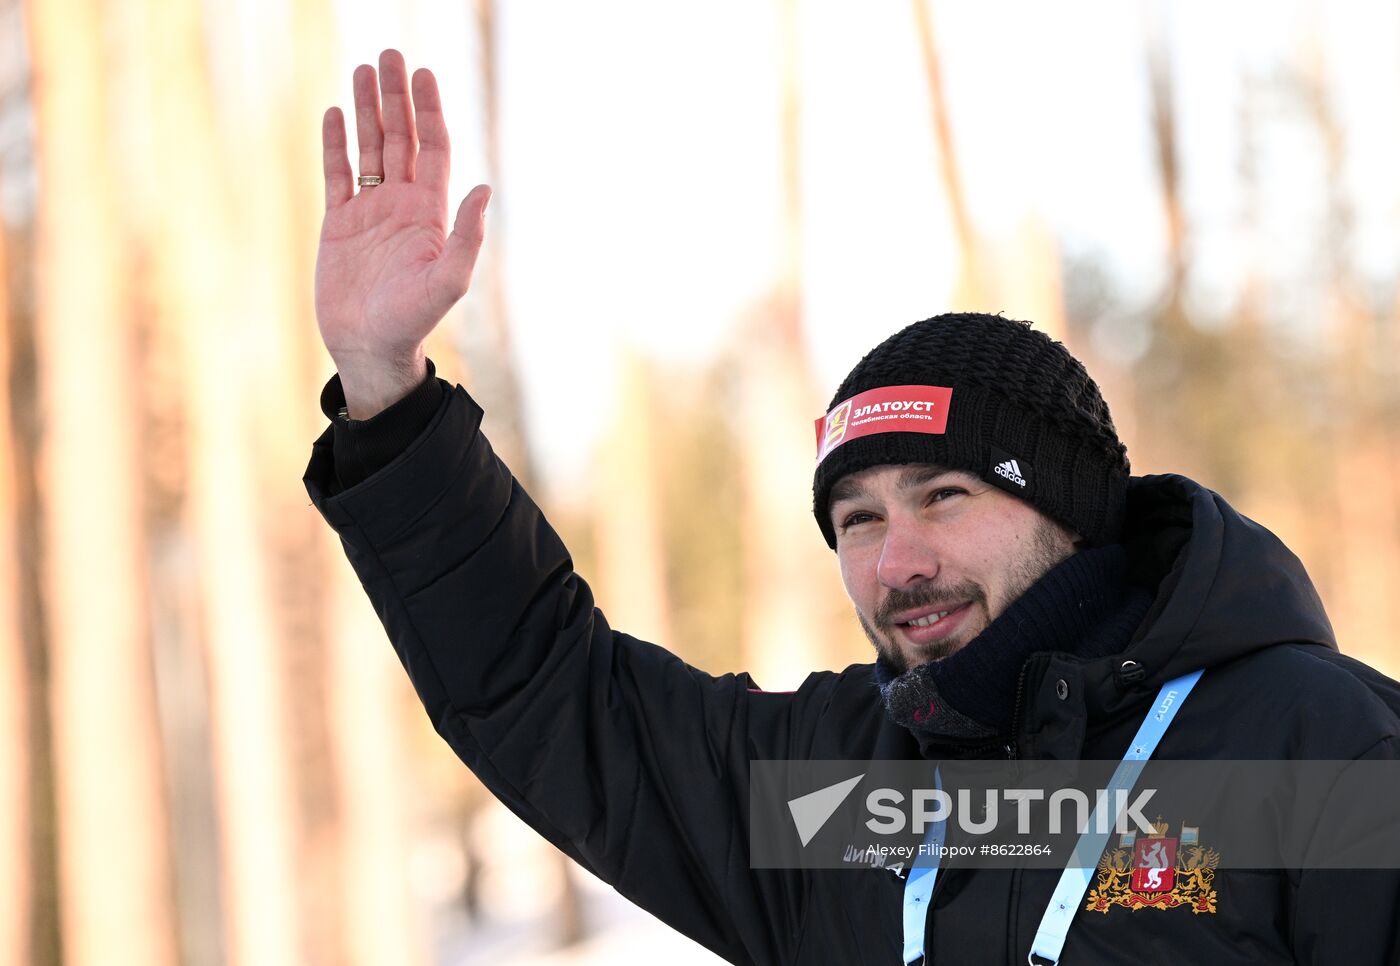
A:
(926, 595)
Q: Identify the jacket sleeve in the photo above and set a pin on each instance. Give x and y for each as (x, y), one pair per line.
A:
(628, 760)
(1348, 915)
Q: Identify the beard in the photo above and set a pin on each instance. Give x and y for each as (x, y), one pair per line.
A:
(1048, 548)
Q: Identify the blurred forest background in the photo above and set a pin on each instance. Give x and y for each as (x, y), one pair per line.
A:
(704, 214)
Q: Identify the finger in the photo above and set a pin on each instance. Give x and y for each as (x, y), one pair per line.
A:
(451, 274)
(339, 178)
(433, 151)
(369, 130)
(400, 140)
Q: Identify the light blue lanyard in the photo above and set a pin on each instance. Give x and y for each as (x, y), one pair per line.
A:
(1074, 881)
(918, 889)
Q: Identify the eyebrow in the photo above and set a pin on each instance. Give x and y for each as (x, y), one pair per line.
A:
(850, 488)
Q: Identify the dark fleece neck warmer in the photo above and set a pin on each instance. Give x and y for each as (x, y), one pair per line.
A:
(1082, 606)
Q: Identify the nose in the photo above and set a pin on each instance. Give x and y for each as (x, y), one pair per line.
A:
(907, 556)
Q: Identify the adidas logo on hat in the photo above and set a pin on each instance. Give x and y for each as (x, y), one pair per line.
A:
(1010, 471)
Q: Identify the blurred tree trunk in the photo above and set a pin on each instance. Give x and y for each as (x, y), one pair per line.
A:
(627, 511)
(787, 604)
(36, 862)
(115, 860)
(1180, 365)
(485, 338)
(365, 682)
(1252, 307)
(1164, 140)
(218, 318)
(972, 291)
(1264, 377)
(1030, 282)
(273, 108)
(173, 600)
(16, 711)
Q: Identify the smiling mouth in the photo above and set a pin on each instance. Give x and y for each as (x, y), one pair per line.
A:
(928, 620)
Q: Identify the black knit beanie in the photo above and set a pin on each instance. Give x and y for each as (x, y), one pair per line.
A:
(1017, 410)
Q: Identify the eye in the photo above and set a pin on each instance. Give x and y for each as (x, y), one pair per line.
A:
(856, 518)
(937, 495)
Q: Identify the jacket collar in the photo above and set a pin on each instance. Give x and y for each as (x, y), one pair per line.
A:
(1224, 587)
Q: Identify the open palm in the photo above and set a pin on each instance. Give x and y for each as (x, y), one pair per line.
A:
(387, 269)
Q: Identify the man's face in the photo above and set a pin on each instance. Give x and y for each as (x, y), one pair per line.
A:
(918, 540)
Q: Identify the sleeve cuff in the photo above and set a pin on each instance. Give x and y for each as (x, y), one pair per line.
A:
(362, 447)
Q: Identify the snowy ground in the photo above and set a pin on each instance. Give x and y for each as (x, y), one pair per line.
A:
(620, 933)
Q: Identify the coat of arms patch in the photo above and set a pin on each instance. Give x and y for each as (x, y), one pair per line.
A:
(1157, 871)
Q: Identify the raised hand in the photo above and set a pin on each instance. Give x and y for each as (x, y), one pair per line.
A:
(387, 270)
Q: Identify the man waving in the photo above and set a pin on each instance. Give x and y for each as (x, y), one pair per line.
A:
(1025, 597)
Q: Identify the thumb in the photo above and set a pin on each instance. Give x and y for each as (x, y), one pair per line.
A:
(451, 274)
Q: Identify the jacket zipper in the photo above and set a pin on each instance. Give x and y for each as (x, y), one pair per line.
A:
(1018, 711)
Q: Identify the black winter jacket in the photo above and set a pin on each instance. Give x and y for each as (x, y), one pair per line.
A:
(636, 765)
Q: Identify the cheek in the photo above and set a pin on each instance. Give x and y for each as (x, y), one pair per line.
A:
(977, 553)
(1002, 561)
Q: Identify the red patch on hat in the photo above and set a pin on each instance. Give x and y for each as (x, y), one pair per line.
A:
(888, 409)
